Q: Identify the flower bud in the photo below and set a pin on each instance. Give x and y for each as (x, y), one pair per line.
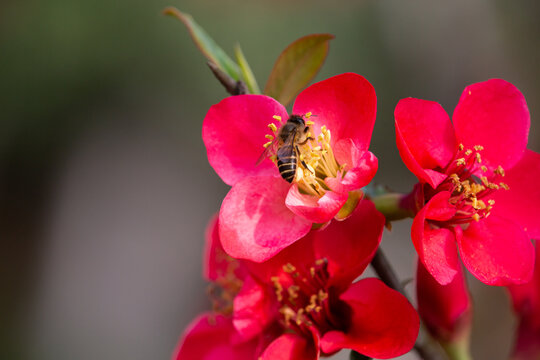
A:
(446, 310)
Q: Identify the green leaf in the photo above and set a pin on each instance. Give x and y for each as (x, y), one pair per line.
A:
(247, 74)
(297, 66)
(206, 44)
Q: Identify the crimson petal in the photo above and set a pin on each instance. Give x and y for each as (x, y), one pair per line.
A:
(497, 251)
(436, 248)
(383, 323)
(346, 104)
(290, 347)
(234, 132)
(493, 114)
(254, 222)
(210, 337)
(521, 203)
(350, 245)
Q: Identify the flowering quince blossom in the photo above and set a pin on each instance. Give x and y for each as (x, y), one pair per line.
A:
(307, 291)
(263, 213)
(526, 302)
(478, 184)
(445, 309)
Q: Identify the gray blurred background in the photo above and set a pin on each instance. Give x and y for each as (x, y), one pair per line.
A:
(105, 189)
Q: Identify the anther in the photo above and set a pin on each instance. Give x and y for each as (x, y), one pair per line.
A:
(277, 117)
(308, 115)
(499, 171)
(272, 127)
(267, 144)
(478, 147)
(269, 137)
(461, 147)
(289, 268)
(484, 168)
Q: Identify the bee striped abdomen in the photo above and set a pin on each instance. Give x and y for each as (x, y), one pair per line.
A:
(287, 162)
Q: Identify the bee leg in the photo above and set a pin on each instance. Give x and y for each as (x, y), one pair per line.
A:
(305, 141)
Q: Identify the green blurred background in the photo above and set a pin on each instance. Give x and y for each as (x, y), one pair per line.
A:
(105, 189)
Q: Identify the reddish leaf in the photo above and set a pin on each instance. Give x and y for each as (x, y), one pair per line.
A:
(297, 66)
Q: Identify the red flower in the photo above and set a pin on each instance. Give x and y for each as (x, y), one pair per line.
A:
(445, 309)
(306, 290)
(263, 213)
(478, 183)
(526, 302)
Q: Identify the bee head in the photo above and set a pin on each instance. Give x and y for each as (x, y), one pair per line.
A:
(297, 119)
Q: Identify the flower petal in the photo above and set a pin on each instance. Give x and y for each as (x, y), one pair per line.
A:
(360, 166)
(445, 309)
(346, 104)
(383, 323)
(436, 248)
(521, 203)
(217, 265)
(493, 114)
(526, 297)
(350, 245)
(234, 134)
(290, 347)
(209, 337)
(313, 208)
(425, 136)
(497, 251)
(254, 222)
(253, 310)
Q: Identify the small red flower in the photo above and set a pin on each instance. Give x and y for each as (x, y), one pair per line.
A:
(307, 291)
(478, 183)
(526, 302)
(445, 309)
(263, 213)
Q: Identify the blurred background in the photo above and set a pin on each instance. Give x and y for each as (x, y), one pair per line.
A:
(105, 189)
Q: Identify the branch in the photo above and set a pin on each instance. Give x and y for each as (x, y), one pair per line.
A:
(232, 86)
(425, 348)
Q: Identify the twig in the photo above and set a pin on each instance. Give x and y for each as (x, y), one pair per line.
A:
(232, 86)
(426, 349)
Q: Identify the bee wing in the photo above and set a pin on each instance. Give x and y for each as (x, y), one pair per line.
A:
(288, 147)
(269, 151)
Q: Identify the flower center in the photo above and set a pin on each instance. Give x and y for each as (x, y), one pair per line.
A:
(303, 297)
(470, 185)
(227, 284)
(315, 160)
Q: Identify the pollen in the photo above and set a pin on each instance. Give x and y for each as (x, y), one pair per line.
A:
(471, 185)
(499, 171)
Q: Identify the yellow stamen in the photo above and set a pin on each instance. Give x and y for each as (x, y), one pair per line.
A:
(499, 171)
(269, 137)
(277, 117)
(267, 144)
(272, 127)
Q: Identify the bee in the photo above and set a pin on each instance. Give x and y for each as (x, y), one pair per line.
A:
(285, 146)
